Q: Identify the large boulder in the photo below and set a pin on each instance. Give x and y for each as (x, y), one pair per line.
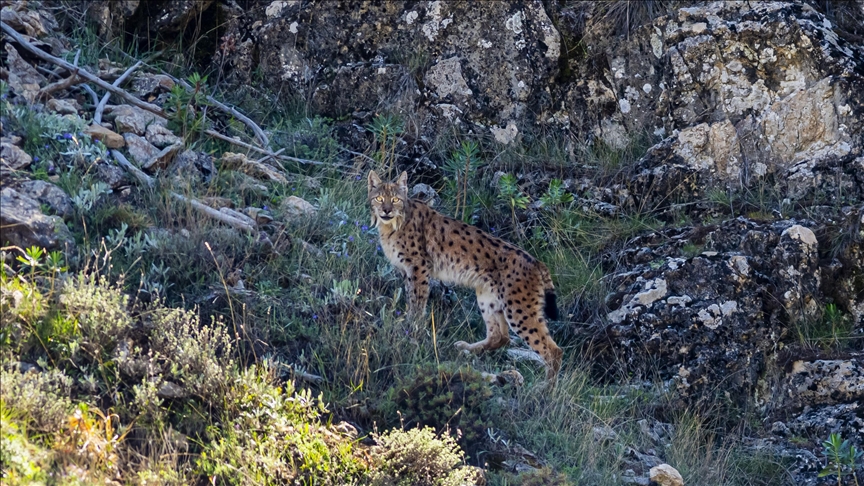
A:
(487, 62)
(708, 309)
(743, 93)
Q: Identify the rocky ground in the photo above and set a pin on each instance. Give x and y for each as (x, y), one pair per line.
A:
(744, 299)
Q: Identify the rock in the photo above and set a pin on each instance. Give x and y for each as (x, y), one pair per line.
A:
(175, 16)
(140, 149)
(708, 322)
(295, 206)
(162, 158)
(110, 138)
(48, 194)
(452, 43)
(825, 381)
(110, 174)
(666, 475)
(23, 224)
(425, 193)
(63, 107)
(160, 136)
(171, 391)
(131, 119)
(24, 79)
(13, 157)
(34, 23)
(111, 15)
(147, 86)
(189, 165)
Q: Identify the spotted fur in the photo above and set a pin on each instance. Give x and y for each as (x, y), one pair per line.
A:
(512, 287)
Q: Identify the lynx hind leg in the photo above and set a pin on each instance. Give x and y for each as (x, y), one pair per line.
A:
(524, 313)
(492, 309)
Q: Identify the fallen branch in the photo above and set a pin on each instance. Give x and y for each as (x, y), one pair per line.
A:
(148, 181)
(259, 133)
(59, 85)
(135, 171)
(81, 72)
(268, 153)
(267, 157)
(92, 94)
(217, 215)
(97, 116)
(68, 82)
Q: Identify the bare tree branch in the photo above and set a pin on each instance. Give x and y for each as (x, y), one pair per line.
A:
(97, 116)
(135, 171)
(81, 72)
(213, 213)
(92, 94)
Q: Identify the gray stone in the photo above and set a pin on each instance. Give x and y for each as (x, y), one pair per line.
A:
(23, 224)
(13, 157)
(111, 174)
(63, 107)
(170, 390)
(162, 158)
(48, 194)
(190, 166)
(295, 206)
(160, 136)
(140, 149)
(131, 119)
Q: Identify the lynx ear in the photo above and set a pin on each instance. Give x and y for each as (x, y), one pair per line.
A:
(374, 180)
(402, 182)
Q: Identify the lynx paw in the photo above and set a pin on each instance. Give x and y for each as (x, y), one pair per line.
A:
(462, 346)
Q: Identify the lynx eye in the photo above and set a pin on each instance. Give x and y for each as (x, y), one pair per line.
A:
(379, 199)
(395, 199)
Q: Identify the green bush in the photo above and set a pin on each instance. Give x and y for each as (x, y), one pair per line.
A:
(449, 398)
(274, 436)
(419, 457)
(198, 356)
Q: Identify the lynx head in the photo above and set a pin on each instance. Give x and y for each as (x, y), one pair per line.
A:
(389, 201)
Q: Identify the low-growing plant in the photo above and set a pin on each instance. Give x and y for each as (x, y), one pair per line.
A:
(842, 459)
(509, 192)
(448, 398)
(419, 457)
(462, 165)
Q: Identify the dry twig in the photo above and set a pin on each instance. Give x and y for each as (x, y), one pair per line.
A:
(97, 116)
(148, 181)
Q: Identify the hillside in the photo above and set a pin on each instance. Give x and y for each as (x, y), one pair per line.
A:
(191, 291)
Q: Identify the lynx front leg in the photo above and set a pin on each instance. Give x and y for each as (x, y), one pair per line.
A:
(417, 288)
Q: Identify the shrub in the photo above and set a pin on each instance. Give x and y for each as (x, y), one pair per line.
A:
(274, 436)
(447, 398)
(99, 311)
(419, 457)
(41, 400)
(197, 356)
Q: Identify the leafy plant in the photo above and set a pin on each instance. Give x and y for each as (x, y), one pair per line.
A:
(86, 198)
(509, 191)
(458, 168)
(556, 196)
(419, 457)
(449, 399)
(386, 129)
(187, 110)
(842, 458)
